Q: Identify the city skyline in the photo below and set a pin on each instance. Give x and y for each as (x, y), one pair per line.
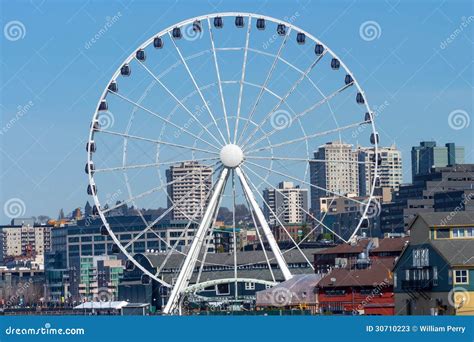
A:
(33, 118)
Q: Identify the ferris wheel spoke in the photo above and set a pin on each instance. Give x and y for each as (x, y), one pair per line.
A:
(183, 234)
(310, 160)
(280, 223)
(267, 79)
(143, 166)
(242, 78)
(153, 190)
(307, 137)
(163, 119)
(306, 111)
(304, 182)
(234, 228)
(209, 238)
(259, 236)
(221, 93)
(194, 117)
(183, 60)
(154, 141)
(320, 222)
(264, 224)
(285, 97)
(174, 206)
(189, 262)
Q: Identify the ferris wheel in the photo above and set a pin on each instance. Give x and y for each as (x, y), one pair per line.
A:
(241, 101)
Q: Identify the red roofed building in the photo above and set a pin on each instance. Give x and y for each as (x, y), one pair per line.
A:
(358, 276)
(363, 289)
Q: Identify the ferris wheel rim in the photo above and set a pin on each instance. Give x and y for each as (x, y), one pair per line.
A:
(208, 17)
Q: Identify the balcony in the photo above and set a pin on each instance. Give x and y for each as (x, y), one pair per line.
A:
(425, 284)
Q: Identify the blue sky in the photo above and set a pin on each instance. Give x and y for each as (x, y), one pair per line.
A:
(417, 71)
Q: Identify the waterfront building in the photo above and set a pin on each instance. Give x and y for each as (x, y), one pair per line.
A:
(434, 274)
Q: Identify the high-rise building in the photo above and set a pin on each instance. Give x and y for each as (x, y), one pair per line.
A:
(289, 203)
(427, 156)
(188, 191)
(24, 240)
(97, 278)
(335, 168)
(389, 169)
(445, 188)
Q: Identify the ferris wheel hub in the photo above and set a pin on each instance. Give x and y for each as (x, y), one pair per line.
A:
(231, 155)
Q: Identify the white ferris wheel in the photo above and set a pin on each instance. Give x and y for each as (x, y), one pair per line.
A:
(244, 95)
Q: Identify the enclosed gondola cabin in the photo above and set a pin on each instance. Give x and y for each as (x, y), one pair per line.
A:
(95, 210)
(374, 138)
(177, 33)
(197, 26)
(104, 231)
(90, 146)
(125, 70)
(301, 38)
(360, 98)
(95, 125)
(218, 22)
(103, 106)
(239, 21)
(113, 86)
(91, 190)
(281, 29)
(368, 117)
(260, 24)
(158, 43)
(129, 265)
(115, 249)
(318, 49)
(89, 169)
(348, 79)
(335, 64)
(140, 55)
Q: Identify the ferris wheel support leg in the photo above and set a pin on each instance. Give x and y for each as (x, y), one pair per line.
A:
(186, 272)
(263, 223)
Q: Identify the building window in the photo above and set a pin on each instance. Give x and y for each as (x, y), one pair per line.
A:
(249, 286)
(421, 257)
(222, 289)
(461, 277)
(458, 232)
(442, 233)
(470, 232)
